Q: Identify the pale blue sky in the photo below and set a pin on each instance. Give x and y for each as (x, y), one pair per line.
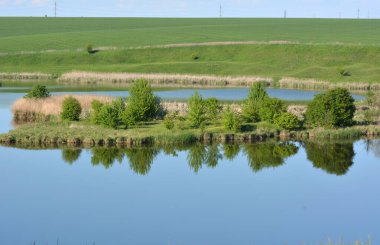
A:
(193, 8)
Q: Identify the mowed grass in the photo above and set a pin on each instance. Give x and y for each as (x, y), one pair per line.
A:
(35, 34)
(305, 61)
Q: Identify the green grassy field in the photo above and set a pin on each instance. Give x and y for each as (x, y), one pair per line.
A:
(322, 46)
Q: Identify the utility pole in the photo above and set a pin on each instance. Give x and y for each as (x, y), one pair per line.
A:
(285, 14)
(220, 11)
(358, 13)
(55, 9)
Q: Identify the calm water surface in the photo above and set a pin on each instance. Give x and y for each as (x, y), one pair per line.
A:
(267, 193)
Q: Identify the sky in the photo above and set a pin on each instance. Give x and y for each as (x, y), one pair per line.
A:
(193, 8)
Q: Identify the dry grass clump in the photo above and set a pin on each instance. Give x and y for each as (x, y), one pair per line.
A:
(295, 83)
(25, 76)
(163, 79)
(53, 105)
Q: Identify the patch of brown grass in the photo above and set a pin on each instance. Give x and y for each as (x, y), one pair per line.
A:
(161, 79)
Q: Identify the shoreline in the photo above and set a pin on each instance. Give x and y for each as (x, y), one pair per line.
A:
(133, 138)
(84, 80)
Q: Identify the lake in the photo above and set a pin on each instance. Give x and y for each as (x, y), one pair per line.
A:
(265, 193)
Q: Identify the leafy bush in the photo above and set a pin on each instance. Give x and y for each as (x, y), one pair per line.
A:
(71, 109)
(89, 49)
(142, 104)
(231, 120)
(251, 106)
(213, 108)
(197, 111)
(38, 92)
(195, 56)
(334, 108)
(108, 115)
(288, 121)
(270, 108)
(169, 121)
(343, 72)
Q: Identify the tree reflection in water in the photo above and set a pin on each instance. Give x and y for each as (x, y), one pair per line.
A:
(373, 146)
(106, 156)
(334, 158)
(71, 155)
(141, 160)
(266, 155)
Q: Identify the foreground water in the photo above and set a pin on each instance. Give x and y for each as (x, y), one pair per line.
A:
(267, 193)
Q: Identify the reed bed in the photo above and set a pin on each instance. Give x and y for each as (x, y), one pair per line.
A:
(296, 83)
(161, 79)
(24, 76)
(26, 110)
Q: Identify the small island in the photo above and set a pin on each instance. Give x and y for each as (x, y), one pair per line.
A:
(144, 119)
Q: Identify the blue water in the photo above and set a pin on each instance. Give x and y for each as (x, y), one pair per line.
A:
(166, 201)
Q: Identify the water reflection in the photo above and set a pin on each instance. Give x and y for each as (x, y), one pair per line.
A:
(334, 158)
(266, 155)
(373, 146)
(259, 156)
(71, 155)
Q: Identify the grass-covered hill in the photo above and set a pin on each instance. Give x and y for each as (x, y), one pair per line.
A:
(309, 48)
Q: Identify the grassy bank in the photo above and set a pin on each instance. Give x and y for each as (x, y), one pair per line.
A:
(311, 64)
(155, 133)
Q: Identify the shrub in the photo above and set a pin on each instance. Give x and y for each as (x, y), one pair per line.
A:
(288, 121)
(343, 72)
(270, 108)
(89, 49)
(197, 111)
(71, 109)
(334, 108)
(169, 122)
(108, 115)
(213, 108)
(251, 106)
(231, 120)
(38, 92)
(195, 56)
(142, 104)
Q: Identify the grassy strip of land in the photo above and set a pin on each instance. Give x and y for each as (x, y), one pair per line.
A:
(155, 133)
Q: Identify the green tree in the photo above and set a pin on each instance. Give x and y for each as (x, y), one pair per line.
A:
(251, 106)
(142, 105)
(140, 160)
(271, 108)
(71, 109)
(334, 108)
(197, 111)
(38, 92)
(231, 120)
(213, 108)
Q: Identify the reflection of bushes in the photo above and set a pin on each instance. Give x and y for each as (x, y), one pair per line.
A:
(374, 146)
(106, 156)
(71, 155)
(265, 155)
(334, 158)
(231, 151)
(201, 154)
(140, 160)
